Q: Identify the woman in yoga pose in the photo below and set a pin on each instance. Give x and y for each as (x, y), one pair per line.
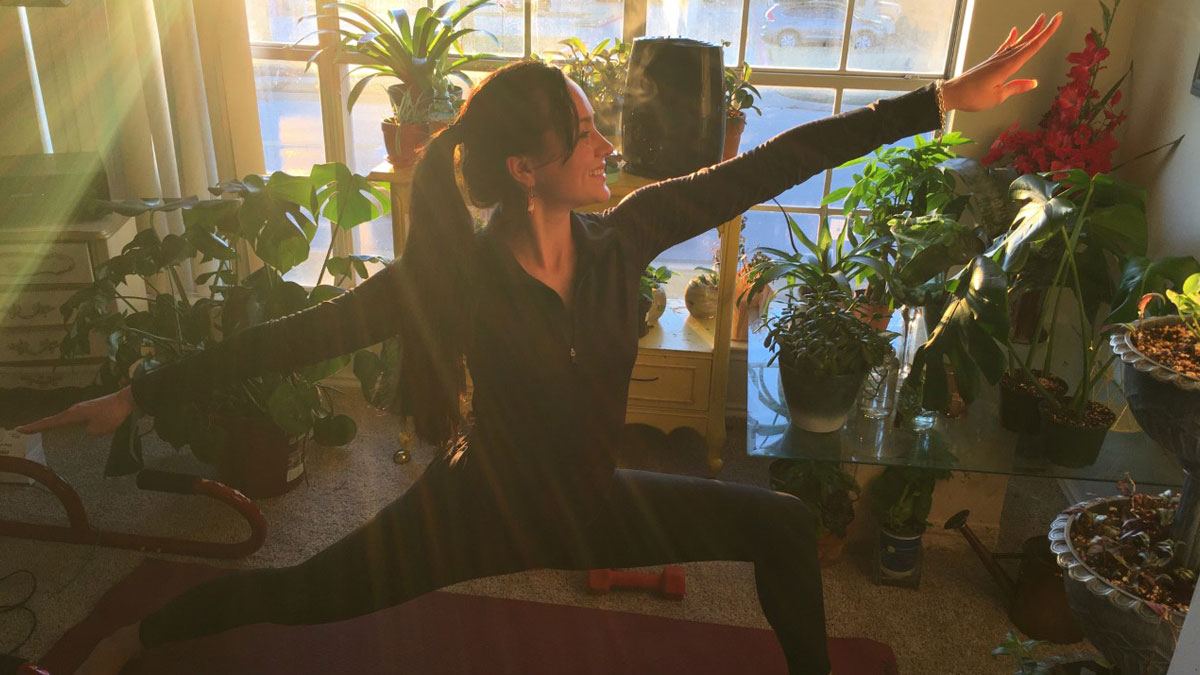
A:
(542, 306)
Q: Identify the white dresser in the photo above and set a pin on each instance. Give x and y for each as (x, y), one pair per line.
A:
(41, 267)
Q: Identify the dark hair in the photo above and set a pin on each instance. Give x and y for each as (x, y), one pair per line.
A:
(508, 114)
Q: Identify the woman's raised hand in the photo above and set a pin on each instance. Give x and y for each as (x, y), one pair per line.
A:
(987, 84)
(101, 415)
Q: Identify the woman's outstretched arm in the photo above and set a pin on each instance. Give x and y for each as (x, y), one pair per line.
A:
(665, 213)
(364, 316)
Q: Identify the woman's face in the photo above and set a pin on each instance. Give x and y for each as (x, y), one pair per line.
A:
(580, 180)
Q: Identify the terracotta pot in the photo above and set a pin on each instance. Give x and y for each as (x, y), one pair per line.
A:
(258, 459)
(734, 126)
(406, 142)
(747, 314)
(830, 547)
(877, 316)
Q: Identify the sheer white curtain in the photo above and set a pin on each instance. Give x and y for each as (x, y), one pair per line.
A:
(162, 90)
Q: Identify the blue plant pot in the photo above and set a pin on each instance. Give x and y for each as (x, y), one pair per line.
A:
(898, 555)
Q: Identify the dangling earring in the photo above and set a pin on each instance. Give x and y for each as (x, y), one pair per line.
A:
(529, 203)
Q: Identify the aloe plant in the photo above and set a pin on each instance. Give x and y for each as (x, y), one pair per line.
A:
(423, 54)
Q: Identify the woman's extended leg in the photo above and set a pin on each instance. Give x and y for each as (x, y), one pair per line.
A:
(660, 518)
(443, 530)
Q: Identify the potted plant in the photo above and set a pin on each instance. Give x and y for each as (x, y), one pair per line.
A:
(825, 352)
(1161, 382)
(423, 55)
(406, 132)
(829, 263)
(829, 491)
(901, 498)
(740, 96)
(652, 301)
(701, 294)
(600, 71)
(275, 219)
(1126, 578)
(1092, 223)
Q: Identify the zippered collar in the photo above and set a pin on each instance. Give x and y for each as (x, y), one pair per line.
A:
(591, 241)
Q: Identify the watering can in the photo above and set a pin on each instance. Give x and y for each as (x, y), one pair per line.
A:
(1037, 599)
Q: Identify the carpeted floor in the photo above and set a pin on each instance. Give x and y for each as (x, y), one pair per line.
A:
(949, 625)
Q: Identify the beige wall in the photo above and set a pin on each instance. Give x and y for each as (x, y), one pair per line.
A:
(1165, 46)
(990, 23)
(18, 119)
(1162, 37)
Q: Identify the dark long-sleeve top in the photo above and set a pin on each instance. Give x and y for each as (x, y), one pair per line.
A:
(551, 382)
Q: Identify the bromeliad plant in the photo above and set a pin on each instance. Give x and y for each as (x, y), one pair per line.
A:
(830, 263)
(423, 54)
(276, 218)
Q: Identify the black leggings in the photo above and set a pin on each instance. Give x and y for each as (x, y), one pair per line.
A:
(445, 530)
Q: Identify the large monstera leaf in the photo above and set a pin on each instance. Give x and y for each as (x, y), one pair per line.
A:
(1042, 216)
(965, 337)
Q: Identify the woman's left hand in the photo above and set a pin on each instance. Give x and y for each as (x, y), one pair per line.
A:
(987, 84)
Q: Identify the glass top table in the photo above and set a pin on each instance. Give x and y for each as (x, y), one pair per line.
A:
(976, 443)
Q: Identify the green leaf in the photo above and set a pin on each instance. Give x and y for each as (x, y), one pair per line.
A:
(1040, 218)
(295, 189)
(367, 368)
(288, 406)
(325, 292)
(1141, 276)
(323, 369)
(125, 453)
(334, 431)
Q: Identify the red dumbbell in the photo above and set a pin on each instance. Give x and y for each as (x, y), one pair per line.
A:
(669, 583)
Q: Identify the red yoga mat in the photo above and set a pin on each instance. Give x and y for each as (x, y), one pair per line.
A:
(446, 633)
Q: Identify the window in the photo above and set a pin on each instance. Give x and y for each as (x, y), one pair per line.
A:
(811, 58)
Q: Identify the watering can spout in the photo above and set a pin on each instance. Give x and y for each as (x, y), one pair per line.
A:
(959, 522)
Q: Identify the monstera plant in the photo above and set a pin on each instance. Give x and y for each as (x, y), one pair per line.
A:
(275, 218)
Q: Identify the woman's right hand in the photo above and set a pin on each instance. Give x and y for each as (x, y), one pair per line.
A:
(101, 415)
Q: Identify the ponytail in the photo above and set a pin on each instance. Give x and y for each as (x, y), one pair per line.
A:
(507, 115)
(440, 258)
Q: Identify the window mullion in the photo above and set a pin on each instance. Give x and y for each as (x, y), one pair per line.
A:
(744, 32)
(633, 24)
(527, 14)
(844, 61)
(334, 119)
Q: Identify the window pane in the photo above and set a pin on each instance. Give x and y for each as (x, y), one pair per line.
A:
(710, 20)
(289, 111)
(796, 33)
(782, 109)
(506, 20)
(857, 98)
(910, 37)
(279, 20)
(770, 228)
(588, 20)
